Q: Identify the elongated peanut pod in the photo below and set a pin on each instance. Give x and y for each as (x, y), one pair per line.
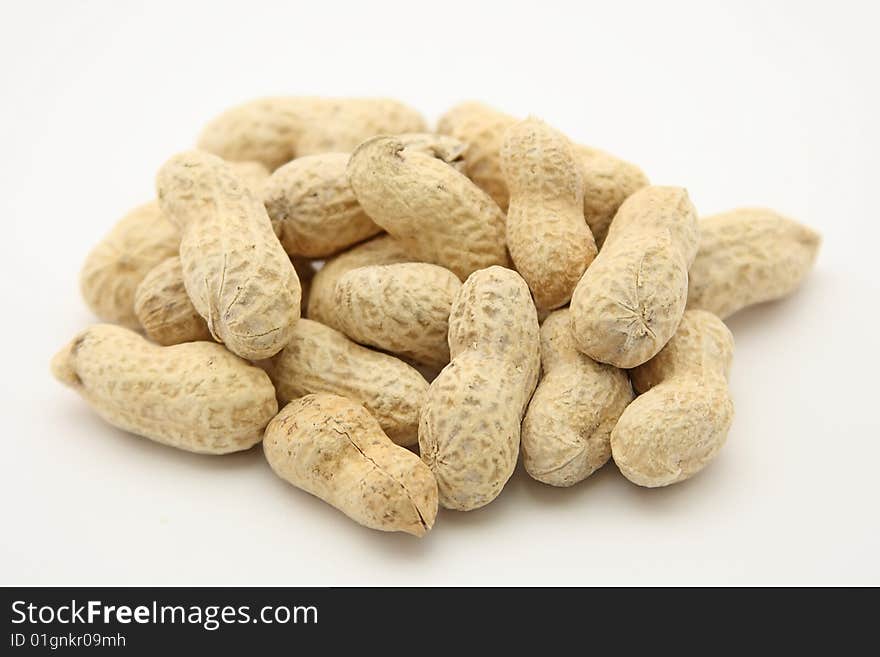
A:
(682, 415)
(749, 256)
(608, 180)
(549, 241)
(164, 308)
(334, 449)
(435, 211)
(566, 433)
(469, 429)
(313, 207)
(321, 359)
(381, 250)
(195, 396)
(117, 265)
(630, 300)
(275, 130)
(402, 308)
(235, 271)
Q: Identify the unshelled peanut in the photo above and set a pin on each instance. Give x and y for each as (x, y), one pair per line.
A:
(313, 207)
(749, 256)
(117, 265)
(469, 429)
(549, 241)
(630, 300)
(435, 211)
(320, 359)
(235, 271)
(682, 415)
(402, 308)
(566, 433)
(164, 309)
(381, 250)
(608, 180)
(276, 130)
(196, 396)
(334, 449)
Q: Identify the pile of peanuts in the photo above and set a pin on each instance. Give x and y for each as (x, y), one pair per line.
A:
(477, 292)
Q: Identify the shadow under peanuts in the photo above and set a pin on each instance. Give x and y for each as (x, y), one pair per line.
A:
(314, 514)
(104, 436)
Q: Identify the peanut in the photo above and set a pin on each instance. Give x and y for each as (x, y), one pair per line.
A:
(469, 428)
(749, 256)
(164, 309)
(680, 419)
(276, 130)
(334, 449)
(313, 209)
(549, 241)
(402, 308)
(321, 359)
(382, 250)
(117, 265)
(235, 271)
(630, 300)
(566, 433)
(435, 211)
(195, 396)
(608, 180)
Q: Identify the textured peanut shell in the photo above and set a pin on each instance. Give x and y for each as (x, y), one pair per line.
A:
(164, 309)
(381, 250)
(607, 180)
(749, 256)
(235, 271)
(402, 308)
(117, 265)
(321, 359)
(566, 432)
(195, 396)
(442, 147)
(682, 415)
(334, 449)
(435, 211)
(630, 300)
(549, 241)
(313, 208)
(469, 430)
(276, 130)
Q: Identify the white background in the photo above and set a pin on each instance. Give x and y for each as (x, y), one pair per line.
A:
(763, 103)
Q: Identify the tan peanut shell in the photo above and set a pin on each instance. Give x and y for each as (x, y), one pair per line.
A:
(469, 429)
(566, 432)
(607, 180)
(442, 147)
(313, 208)
(164, 309)
(549, 241)
(682, 415)
(195, 396)
(381, 250)
(402, 308)
(629, 301)
(749, 256)
(334, 449)
(235, 271)
(276, 130)
(435, 211)
(321, 359)
(117, 265)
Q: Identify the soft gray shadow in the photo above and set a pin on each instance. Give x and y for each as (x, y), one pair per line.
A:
(146, 450)
(400, 544)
